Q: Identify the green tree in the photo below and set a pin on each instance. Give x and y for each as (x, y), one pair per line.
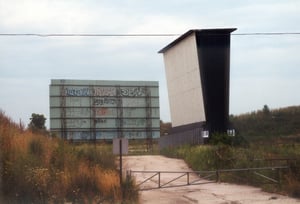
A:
(266, 110)
(37, 122)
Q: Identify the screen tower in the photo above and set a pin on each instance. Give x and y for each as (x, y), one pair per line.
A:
(197, 66)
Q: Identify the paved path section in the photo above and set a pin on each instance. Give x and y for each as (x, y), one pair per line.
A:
(212, 193)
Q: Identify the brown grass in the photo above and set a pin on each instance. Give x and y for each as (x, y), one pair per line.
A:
(39, 169)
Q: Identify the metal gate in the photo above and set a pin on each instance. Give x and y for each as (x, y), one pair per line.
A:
(168, 179)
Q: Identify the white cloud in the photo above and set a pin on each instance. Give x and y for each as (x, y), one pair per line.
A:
(260, 66)
(51, 16)
(22, 97)
(252, 93)
(162, 24)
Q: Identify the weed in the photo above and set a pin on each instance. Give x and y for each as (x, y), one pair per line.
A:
(39, 169)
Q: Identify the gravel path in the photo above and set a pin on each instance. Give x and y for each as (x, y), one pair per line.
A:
(212, 193)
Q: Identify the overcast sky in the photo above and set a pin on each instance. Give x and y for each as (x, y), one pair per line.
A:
(264, 68)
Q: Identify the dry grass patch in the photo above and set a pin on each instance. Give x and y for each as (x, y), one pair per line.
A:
(36, 168)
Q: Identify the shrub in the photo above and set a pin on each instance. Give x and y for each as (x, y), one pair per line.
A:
(97, 155)
(35, 147)
(220, 138)
(225, 139)
(130, 190)
(39, 169)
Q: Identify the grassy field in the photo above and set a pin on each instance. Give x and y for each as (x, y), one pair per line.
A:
(36, 168)
(213, 157)
(264, 138)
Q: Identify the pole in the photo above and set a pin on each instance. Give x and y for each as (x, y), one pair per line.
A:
(120, 146)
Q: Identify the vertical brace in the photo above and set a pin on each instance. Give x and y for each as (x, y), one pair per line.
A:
(148, 119)
(63, 112)
(119, 112)
(92, 116)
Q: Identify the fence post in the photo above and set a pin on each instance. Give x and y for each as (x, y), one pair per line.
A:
(248, 176)
(217, 176)
(159, 179)
(279, 177)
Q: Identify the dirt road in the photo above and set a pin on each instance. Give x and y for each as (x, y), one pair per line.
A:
(212, 193)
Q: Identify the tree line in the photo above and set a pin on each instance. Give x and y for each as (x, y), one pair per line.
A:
(263, 123)
(266, 123)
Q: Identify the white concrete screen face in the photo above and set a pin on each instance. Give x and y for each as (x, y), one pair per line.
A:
(184, 84)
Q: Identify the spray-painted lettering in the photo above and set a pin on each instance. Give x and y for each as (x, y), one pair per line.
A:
(105, 112)
(86, 91)
(77, 91)
(104, 101)
(132, 92)
(104, 91)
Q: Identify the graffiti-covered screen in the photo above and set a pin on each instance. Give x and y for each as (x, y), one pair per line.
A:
(99, 110)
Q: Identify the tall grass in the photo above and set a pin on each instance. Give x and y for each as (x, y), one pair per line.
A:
(39, 169)
(213, 157)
